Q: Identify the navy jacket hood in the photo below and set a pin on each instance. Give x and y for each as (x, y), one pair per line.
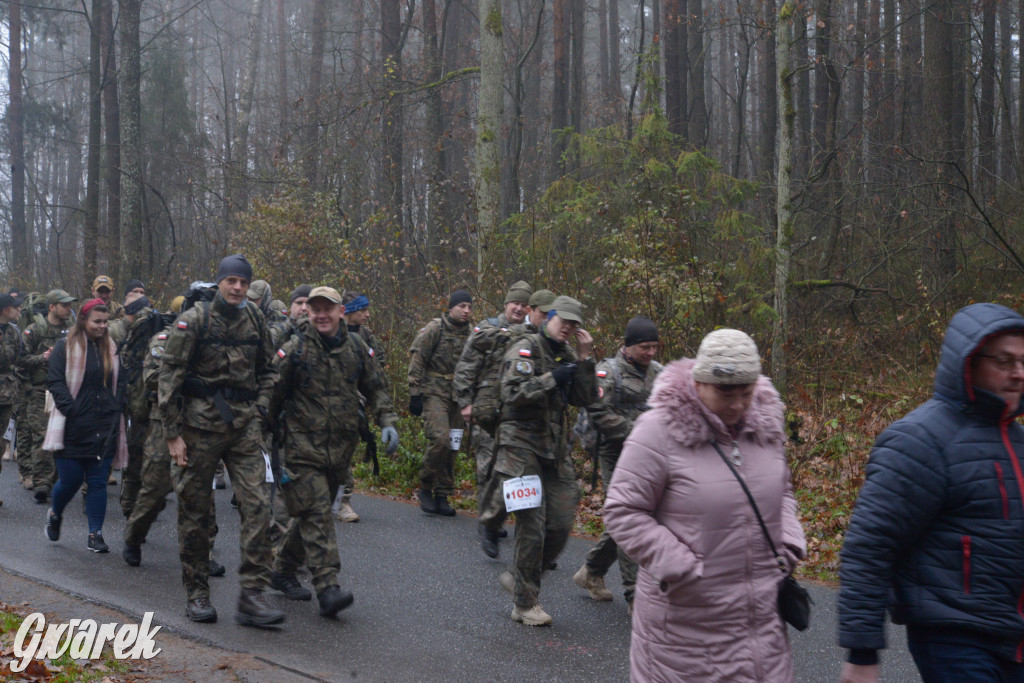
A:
(968, 331)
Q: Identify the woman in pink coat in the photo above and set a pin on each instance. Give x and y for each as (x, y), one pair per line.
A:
(706, 599)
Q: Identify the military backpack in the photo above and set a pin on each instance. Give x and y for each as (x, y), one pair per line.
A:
(33, 310)
(487, 400)
(584, 431)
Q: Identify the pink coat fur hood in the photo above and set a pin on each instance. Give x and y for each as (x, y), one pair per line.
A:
(706, 599)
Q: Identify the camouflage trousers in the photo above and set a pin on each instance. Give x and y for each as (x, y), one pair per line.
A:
(308, 495)
(5, 417)
(155, 484)
(241, 450)
(541, 532)
(131, 475)
(603, 555)
(490, 505)
(42, 468)
(22, 439)
(440, 416)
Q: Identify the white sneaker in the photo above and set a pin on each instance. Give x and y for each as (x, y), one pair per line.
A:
(592, 584)
(531, 616)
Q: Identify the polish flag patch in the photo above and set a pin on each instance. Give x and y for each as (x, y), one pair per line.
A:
(526, 353)
(371, 353)
(182, 325)
(162, 336)
(476, 329)
(281, 353)
(602, 373)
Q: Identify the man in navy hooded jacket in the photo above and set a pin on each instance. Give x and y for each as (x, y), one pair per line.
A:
(937, 535)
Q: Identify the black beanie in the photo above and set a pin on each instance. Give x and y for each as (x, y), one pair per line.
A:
(132, 284)
(136, 306)
(236, 265)
(459, 296)
(639, 330)
(300, 292)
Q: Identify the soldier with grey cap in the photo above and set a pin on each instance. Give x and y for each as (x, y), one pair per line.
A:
(39, 341)
(541, 377)
(324, 371)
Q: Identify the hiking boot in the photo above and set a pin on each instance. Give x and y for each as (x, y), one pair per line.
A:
(488, 541)
(332, 600)
(234, 500)
(508, 582)
(254, 611)
(40, 495)
(290, 586)
(8, 454)
(132, 555)
(96, 543)
(442, 506)
(531, 616)
(503, 533)
(112, 479)
(592, 584)
(200, 610)
(217, 569)
(26, 482)
(426, 502)
(52, 526)
(345, 511)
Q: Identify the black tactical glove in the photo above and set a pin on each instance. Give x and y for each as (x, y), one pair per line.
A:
(563, 374)
(416, 405)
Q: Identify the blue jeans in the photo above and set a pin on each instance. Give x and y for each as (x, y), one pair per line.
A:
(945, 662)
(71, 472)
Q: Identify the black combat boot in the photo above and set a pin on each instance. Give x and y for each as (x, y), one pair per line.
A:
(254, 611)
(132, 554)
(290, 586)
(332, 600)
(442, 507)
(488, 541)
(217, 569)
(200, 610)
(426, 502)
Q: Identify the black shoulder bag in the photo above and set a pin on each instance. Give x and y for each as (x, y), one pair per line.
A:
(794, 600)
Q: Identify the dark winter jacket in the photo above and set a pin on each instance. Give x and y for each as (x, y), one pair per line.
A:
(93, 415)
(937, 535)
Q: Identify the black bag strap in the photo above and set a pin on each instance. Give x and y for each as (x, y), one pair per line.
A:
(760, 520)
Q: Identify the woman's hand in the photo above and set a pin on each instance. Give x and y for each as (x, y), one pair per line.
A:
(584, 344)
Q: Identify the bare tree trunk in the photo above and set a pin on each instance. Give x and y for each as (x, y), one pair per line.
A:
(803, 105)
(676, 71)
(695, 62)
(1006, 51)
(987, 106)
(602, 62)
(488, 156)
(239, 160)
(21, 266)
(391, 125)
(112, 171)
(311, 140)
(532, 167)
(577, 82)
(769, 99)
(282, 82)
(133, 237)
(92, 190)
(911, 96)
(614, 61)
(823, 57)
(784, 208)
(434, 152)
(560, 85)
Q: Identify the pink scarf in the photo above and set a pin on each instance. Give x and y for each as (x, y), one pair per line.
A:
(74, 372)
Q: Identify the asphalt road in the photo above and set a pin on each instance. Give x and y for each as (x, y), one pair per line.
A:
(428, 605)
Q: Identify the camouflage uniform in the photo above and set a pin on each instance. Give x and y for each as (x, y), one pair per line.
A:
(467, 374)
(132, 359)
(613, 416)
(532, 440)
(217, 354)
(155, 474)
(38, 340)
(432, 360)
(10, 385)
(319, 393)
(379, 357)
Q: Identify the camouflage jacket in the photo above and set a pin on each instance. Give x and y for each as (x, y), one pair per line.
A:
(150, 380)
(38, 340)
(226, 356)
(616, 409)
(433, 355)
(282, 330)
(533, 406)
(371, 340)
(116, 311)
(473, 359)
(319, 390)
(10, 352)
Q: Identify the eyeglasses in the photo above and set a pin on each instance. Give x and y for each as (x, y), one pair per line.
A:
(1004, 363)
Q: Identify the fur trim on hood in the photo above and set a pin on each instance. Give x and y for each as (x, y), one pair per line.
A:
(691, 423)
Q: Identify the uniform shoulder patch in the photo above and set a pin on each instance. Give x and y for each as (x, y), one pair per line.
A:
(602, 373)
(476, 329)
(524, 367)
(525, 353)
(162, 336)
(370, 350)
(182, 325)
(27, 332)
(281, 353)
(157, 352)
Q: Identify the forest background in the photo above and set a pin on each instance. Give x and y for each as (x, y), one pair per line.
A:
(835, 177)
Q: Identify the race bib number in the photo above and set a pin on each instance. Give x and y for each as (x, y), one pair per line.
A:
(270, 470)
(523, 493)
(9, 434)
(455, 438)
